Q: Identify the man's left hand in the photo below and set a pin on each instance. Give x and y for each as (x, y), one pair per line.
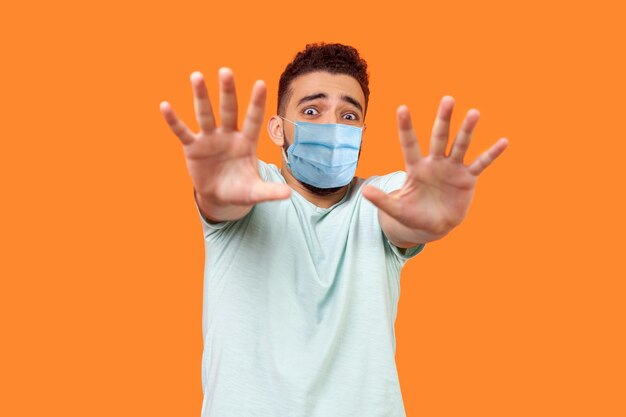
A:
(439, 188)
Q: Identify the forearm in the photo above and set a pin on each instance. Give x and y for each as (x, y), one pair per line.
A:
(215, 212)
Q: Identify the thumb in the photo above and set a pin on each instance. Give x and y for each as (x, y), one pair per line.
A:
(383, 201)
(267, 191)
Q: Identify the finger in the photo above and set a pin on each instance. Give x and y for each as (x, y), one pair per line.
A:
(228, 99)
(486, 158)
(256, 111)
(463, 138)
(177, 126)
(441, 127)
(202, 104)
(383, 201)
(408, 140)
(265, 191)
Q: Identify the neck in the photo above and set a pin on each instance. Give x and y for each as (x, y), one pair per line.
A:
(323, 201)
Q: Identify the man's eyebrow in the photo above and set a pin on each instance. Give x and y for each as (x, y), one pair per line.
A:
(346, 98)
(352, 101)
(312, 97)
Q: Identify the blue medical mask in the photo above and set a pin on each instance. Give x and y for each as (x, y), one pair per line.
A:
(324, 155)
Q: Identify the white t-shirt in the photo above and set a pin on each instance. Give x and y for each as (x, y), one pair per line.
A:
(299, 309)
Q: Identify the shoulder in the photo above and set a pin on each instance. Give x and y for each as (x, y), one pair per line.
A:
(388, 182)
(270, 172)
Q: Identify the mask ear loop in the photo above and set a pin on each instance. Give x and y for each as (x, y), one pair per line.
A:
(282, 148)
(285, 159)
(284, 118)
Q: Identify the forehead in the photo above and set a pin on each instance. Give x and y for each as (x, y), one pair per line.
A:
(333, 85)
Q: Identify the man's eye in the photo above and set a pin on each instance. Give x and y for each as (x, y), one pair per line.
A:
(310, 111)
(349, 116)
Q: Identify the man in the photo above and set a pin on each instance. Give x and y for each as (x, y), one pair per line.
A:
(302, 264)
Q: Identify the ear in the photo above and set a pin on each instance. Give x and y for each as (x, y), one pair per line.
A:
(275, 129)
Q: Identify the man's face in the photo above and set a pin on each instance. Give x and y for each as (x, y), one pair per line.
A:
(319, 97)
(322, 97)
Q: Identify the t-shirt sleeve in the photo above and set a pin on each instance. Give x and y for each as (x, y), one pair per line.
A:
(389, 183)
(264, 171)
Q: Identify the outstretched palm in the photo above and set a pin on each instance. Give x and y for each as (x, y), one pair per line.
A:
(438, 189)
(222, 161)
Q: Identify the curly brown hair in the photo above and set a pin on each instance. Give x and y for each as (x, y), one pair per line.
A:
(334, 58)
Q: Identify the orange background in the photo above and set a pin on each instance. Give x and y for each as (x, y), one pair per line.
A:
(519, 312)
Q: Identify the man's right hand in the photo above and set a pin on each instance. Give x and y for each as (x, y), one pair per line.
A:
(222, 161)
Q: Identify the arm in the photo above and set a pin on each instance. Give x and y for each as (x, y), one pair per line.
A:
(222, 161)
(439, 188)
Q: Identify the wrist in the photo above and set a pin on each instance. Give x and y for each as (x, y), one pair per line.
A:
(214, 213)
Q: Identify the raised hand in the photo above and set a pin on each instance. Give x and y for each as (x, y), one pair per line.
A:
(222, 161)
(439, 188)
